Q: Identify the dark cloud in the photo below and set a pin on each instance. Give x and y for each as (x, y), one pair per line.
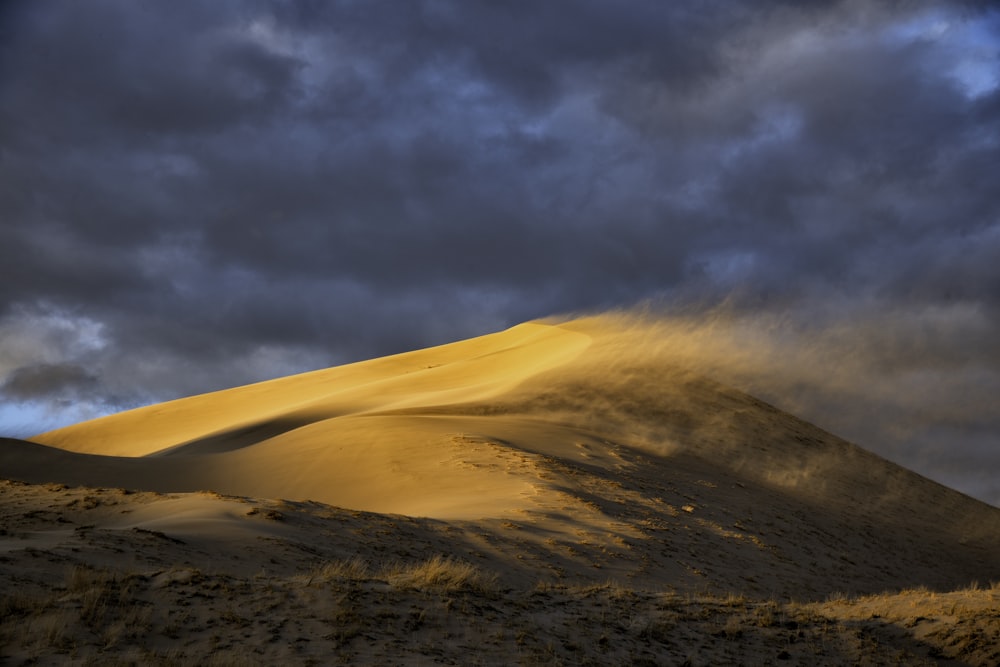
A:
(231, 191)
(46, 380)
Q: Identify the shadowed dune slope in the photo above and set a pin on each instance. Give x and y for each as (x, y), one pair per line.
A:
(607, 455)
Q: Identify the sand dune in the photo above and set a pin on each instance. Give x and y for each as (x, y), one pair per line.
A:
(581, 426)
(574, 454)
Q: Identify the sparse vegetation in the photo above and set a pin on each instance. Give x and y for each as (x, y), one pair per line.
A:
(354, 569)
(441, 574)
(440, 606)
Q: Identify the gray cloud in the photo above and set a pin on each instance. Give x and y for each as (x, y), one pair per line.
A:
(46, 380)
(233, 191)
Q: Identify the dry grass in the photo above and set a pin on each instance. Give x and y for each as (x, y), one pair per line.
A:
(440, 574)
(437, 574)
(108, 604)
(444, 609)
(353, 569)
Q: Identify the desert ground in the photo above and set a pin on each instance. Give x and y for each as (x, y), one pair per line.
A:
(558, 493)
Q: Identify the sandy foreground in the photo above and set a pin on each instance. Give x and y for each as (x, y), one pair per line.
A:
(569, 493)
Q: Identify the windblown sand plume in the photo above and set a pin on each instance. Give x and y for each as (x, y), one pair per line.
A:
(555, 493)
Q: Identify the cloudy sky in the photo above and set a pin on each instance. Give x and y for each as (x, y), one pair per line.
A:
(195, 195)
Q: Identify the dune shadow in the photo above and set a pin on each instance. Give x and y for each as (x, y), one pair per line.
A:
(237, 438)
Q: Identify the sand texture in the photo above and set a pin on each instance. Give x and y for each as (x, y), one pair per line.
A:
(570, 493)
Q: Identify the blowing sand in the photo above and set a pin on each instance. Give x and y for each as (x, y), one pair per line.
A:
(555, 493)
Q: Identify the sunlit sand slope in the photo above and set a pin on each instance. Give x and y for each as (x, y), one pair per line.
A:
(592, 448)
(474, 369)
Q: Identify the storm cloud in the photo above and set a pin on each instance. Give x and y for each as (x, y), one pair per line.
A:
(198, 195)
